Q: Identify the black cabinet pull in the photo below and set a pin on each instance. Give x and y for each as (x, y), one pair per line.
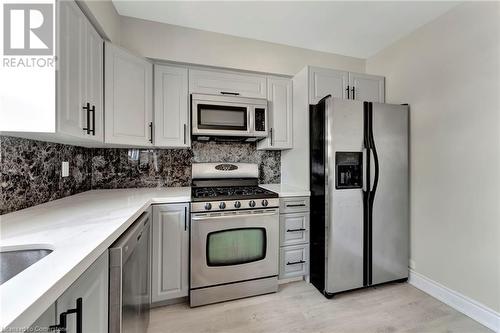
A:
(185, 131)
(296, 205)
(296, 262)
(62, 326)
(93, 119)
(347, 89)
(90, 127)
(151, 131)
(87, 108)
(230, 93)
(271, 135)
(353, 93)
(295, 230)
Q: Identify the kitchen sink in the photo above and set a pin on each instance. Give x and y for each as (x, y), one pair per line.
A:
(13, 262)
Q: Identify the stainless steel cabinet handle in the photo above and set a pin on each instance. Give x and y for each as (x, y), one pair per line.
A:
(295, 230)
(296, 262)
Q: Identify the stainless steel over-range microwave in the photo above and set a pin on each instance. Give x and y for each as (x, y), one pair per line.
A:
(228, 116)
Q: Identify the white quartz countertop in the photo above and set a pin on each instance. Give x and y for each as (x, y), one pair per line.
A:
(285, 190)
(78, 229)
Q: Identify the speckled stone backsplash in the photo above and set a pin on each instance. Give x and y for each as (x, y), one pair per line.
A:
(30, 171)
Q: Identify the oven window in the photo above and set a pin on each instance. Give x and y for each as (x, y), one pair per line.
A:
(222, 117)
(236, 246)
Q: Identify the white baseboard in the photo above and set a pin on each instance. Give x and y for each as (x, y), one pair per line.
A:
(459, 302)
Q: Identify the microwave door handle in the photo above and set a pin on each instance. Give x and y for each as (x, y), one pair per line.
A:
(251, 117)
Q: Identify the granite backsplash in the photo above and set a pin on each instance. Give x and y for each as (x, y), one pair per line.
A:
(30, 171)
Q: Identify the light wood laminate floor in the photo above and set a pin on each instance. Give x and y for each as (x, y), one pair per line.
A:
(299, 307)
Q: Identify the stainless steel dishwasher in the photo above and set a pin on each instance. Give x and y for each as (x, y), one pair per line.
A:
(129, 278)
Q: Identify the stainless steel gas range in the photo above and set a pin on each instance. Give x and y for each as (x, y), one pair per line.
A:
(234, 234)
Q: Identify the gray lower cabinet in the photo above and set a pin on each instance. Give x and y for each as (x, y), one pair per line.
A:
(170, 265)
(92, 288)
(294, 237)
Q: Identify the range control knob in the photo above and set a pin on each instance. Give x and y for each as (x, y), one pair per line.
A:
(222, 205)
(237, 204)
(251, 203)
(208, 206)
(265, 203)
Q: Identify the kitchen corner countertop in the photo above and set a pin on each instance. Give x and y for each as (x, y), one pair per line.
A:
(78, 229)
(285, 190)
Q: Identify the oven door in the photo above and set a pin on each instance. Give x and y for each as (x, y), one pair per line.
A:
(233, 246)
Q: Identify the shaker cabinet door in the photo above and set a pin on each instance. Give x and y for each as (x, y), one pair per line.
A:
(280, 113)
(369, 88)
(324, 82)
(92, 288)
(94, 81)
(80, 75)
(170, 265)
(227, 83)
(171, 107)
(71, 87)
(129, 98)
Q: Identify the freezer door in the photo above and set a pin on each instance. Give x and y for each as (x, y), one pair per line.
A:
(344, 195)
(390, 220)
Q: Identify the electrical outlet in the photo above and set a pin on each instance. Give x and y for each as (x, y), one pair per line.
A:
(412, 264)
(65, 169)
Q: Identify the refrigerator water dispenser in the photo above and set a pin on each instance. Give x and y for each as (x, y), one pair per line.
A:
(349, 170)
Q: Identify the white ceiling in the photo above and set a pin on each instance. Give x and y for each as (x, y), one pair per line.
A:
(358, 29)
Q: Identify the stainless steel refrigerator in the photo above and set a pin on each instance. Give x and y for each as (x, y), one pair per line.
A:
(359, 194)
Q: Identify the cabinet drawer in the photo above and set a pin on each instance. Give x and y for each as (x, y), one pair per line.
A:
(294, 228)
(225, 82)
(294, 205)
(294, 261)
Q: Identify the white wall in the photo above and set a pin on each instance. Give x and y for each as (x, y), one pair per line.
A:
(449, 73)
(175, 43)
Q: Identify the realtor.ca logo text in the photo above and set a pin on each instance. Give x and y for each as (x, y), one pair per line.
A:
(28, 35)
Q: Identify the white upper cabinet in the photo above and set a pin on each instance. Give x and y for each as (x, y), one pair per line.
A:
(279, 94)
(80, 75)
(128, 91)
(171, 107)
(227, 83)
(345, 85)
(369, 88)
(324, 82)
(94, 81)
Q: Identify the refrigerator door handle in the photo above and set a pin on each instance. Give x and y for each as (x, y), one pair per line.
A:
(374, 183)
(365, 169)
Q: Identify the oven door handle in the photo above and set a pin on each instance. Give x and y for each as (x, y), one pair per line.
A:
(215, 217)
